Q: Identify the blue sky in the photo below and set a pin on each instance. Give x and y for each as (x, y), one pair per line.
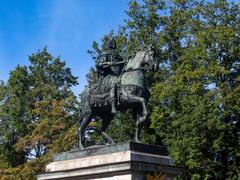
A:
(67, 27)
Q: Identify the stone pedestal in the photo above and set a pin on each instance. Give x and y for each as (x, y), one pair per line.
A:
(125, 161)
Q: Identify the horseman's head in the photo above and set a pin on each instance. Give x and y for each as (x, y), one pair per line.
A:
(111, 44)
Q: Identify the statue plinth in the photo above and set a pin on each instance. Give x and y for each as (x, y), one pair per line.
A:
(120, 161)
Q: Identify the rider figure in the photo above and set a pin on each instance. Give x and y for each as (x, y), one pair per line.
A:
(110, 63)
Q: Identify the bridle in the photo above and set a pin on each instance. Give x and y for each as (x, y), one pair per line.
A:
(131, 69)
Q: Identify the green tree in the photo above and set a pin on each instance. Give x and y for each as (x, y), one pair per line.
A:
(13, 111)
(38, 113)
(190, 111)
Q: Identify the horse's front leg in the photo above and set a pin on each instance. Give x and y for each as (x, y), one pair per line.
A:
(141, 100)
(139, 121)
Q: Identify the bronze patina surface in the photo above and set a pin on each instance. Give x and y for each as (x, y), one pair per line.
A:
(120, 86)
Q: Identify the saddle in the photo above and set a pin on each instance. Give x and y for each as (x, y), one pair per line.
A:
(103, 86)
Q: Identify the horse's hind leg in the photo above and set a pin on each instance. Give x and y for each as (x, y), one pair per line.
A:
(109, 139)
(106, 119)
(81, 129)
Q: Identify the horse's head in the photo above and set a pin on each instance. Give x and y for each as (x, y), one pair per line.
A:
(142, 59)
(149, 59)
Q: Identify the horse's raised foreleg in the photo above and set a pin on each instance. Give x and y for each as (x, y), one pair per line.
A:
(141, 100)
(141, 117)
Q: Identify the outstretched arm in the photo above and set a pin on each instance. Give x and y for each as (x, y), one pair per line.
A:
(101, 65)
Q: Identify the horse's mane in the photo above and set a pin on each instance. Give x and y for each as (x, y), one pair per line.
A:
(136, 56)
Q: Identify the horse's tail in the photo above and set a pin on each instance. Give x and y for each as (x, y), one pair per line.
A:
(84, 104)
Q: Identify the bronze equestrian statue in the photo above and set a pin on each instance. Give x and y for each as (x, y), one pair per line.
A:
(119, 87)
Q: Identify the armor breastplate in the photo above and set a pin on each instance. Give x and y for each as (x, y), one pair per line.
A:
(116, 69)
(113, 68)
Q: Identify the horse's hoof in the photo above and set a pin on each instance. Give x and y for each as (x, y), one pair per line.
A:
(137, 141)
(144, 115)
(113, 111)
(81, 148)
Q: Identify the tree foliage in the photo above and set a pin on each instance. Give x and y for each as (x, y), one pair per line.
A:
(38, 113)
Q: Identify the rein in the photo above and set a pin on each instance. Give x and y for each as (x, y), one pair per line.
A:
(129, 70)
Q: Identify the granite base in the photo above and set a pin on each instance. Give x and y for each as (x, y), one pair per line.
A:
(126, 161)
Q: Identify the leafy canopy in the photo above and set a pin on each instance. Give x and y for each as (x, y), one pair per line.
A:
(38, 113)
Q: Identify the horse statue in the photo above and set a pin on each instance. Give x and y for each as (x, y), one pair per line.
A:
(131, 94)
